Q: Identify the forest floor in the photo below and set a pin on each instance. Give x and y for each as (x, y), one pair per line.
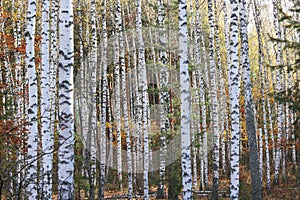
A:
(277, 193)
(288, 189)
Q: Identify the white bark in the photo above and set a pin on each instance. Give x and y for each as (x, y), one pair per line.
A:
(117, 92)
(66, 101)
(215, 120)
(204, 76)
(278, 89)
(144, 96)
(91, 87)
(266, 138)
(164, 96)
(271, 129)
(228, 62)
(53, 65)
(199, 99)
(234, 92)
(125, 106)
(53, 60)
(195, 126)
(47, 134)
(32, 141)
(291, 120)
(185, 103)
(261, 153)
(137, 111)
(20, 114)
(103, 104)
(221, 87)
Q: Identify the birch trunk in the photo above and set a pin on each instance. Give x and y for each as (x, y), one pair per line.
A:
(19, 77)
(234, 92)
(199, 97)
(66, 100)
(228, 62)
(279, 88)
(125, 105)
(260, 153)
(103, 104)
(269, 104)
(220, 86)
(185, 102)
(215, 120)
(256, 184)
(117, 92)
(47, 134)
(142, 83)
(203, 78)
(32, 141)
(164, 97)
(92, 128)
(53, 61)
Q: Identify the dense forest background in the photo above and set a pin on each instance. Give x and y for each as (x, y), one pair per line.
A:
(149, 99)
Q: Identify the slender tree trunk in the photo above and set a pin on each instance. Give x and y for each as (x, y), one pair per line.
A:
(228, 61)
(203, 78)
(256, 184)
(185, 102)
(220, 86)
(234, 92)
(269, 104)
(117, 115)
(53, 58)
(92, 133)
(125, 104)
(126, 120)
(32, 141)
(142, 83)
(164, 97)
(199, 99)
(53, 64)
(47, 135)
(137, 118)
(104, 104)
(266, 133)
(278, 89)
(20, 118)
(215, 121)
(66, 113)
(195, 126)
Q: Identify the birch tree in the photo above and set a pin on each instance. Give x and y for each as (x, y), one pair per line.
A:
(220, 86)
(66, 101)
(278, 89)
(234, 91)
(164, 97)
(228, 63)
(47, 134)
(126, 116)
(53, 59)
(204, 78)
(185, 102)
(104, 103)
(142, 83)
(256, 185)
(32, 141)
(92, 118)
(20, 114)
(53, 65)
(118, 25)
(199, 41)
(213, 85)
(125, 102)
